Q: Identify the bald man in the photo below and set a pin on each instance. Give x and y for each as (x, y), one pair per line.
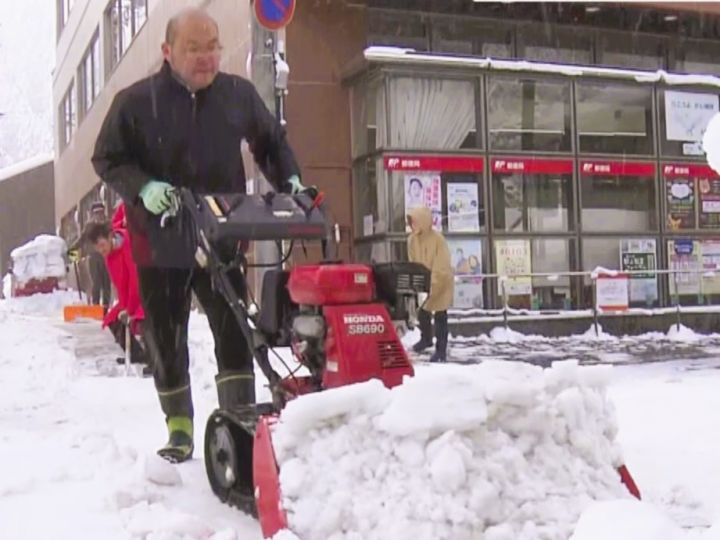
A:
(183, 127)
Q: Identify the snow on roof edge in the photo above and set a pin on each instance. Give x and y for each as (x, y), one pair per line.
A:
(399, 54)
(25, 165)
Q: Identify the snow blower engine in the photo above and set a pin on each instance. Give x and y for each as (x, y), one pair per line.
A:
(338, 319)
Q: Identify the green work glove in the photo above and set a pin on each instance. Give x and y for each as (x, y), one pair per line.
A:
(295, 184)
(155, 196)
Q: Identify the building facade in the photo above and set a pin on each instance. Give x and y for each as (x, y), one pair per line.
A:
(31, 182)
(547, 138)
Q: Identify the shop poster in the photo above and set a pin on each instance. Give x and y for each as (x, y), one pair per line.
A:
(680, 203)
(463, 204)
(466, 260)
(709, 196)
(513, 257)
(638, 255)
(687, 114)
(710, 253)
(424, 189)
(685, 255)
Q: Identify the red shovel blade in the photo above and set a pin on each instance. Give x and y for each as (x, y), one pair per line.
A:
(627, 479)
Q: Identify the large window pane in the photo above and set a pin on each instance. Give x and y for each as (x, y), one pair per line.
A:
(631, 50)
(618, 196)
(624, 254)
(127, 31)
(614, 119)
(696, 262)
(546, 43)
(697, 57)
(370, 199)
(467, 36)
(369, 118)
(454, 195)
(114, 25)
(432, 113)
(528, 115)
(397, 29)
(683, 119)
(140, 7)
(533, 200)
(541, 255)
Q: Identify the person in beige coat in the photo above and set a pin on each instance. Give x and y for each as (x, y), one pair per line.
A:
(429, 248)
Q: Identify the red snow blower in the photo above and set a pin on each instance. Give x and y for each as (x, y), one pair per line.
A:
(339, 320)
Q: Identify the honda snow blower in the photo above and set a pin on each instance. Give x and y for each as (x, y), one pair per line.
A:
(339, 320)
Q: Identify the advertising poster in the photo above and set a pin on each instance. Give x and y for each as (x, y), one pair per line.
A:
(612, 292)
(463, 204)
(709, 195)
(513, 257)
(710, 255)
(424, 189)
(687, 114)
(684, 255)
(466, 259)
(637, 255)
(680, 203)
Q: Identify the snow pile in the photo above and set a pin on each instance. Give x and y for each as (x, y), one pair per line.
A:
(40, 258)
(48, 305)
(711, 143)
(7, 286)
(507, 450)
(625, 520)
(683, 334)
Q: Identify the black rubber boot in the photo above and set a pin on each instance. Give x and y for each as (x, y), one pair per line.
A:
(441, 337)
(425, 332)
(178, 408)
(235, 388)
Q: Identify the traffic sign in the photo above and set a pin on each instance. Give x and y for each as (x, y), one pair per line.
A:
(274, 14)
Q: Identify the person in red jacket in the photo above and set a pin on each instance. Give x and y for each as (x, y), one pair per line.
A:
(113, 243)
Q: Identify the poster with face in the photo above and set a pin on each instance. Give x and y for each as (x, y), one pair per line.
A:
(466, 260)
(424, 190)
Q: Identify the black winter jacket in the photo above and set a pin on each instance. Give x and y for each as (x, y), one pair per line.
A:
(157, 129)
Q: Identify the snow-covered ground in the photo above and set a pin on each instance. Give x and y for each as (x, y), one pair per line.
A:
(77, 443)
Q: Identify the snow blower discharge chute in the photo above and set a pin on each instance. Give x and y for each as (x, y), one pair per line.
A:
(339, 319)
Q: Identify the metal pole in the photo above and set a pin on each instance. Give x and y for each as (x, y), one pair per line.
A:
(595, 307)
(128, 346)
(677, 302)
(505, 302)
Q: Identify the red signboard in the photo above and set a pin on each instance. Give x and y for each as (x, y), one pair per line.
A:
(616, 168)
(688, 170)
(434, 163)
(511, 165)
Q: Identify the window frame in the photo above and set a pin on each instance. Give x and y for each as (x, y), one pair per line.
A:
(113, 39)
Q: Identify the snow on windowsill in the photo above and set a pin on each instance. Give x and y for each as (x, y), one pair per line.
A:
(399, 54)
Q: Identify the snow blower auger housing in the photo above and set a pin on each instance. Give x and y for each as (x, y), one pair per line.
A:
(339, 319)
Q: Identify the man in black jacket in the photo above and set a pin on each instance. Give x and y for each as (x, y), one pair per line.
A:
(183, 127)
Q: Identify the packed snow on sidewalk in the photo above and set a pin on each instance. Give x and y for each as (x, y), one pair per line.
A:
(493, 451)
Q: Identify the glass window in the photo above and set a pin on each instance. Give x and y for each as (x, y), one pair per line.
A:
(370, 199)
(451, 186)
(369, 118)
(697, 57)
(618, 196)
(614, 119)
(397, 29)
(631, 50)
(624, 254)
(532, 195)
(540, 255)
(432, 113)
(468, 36)
(697, 265)
(124, 18)
(683, 119)
(68, 116)
(526, 114)
(546, 43)
(90, 74)
(381, 252)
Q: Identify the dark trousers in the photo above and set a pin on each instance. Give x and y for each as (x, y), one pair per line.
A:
(101, 289)
(137, 353)
(166, 298)
(441, 329)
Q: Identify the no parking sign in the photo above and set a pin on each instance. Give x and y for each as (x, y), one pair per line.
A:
(274, 14)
